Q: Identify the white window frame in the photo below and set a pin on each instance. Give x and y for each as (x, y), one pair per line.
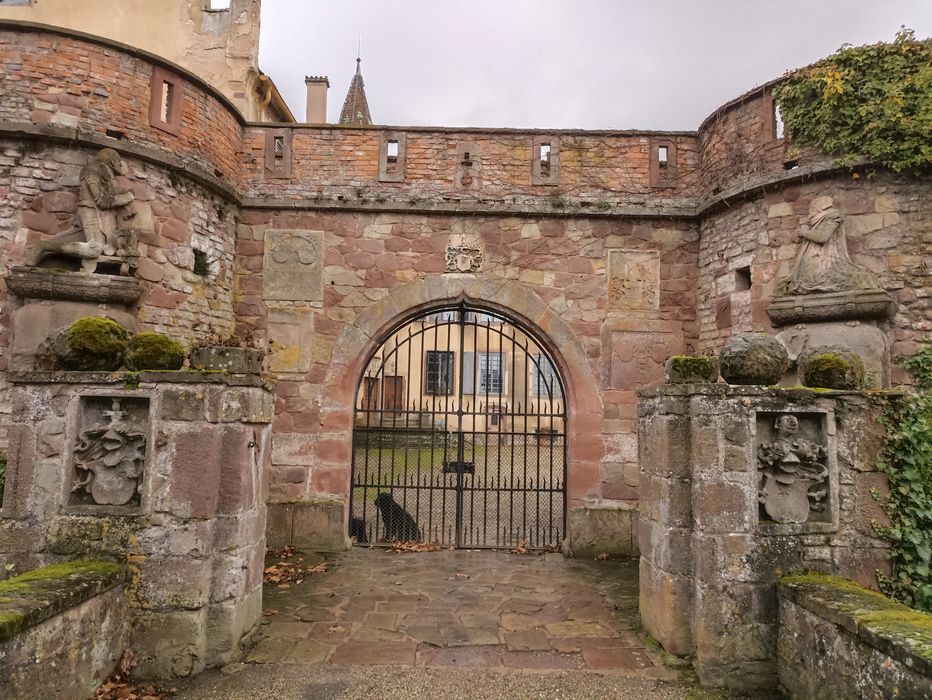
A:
(536, 363)
(482, 358)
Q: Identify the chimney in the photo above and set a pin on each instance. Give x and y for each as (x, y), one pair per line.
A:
(317, 98)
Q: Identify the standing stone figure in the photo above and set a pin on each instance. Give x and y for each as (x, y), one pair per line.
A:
(99, 213)
(792, 473)
(822, 263)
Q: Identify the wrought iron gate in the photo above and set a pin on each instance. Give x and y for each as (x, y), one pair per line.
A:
(460, 436)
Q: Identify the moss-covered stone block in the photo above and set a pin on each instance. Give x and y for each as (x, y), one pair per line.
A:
(154, 351)
(34, 596)
(688, 369)
(90, 344)
(832, 368)
(753, 358)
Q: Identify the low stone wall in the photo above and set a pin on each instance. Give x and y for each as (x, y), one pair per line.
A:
(166, 471)
(838, 640)
(716, 529)
(62, 630)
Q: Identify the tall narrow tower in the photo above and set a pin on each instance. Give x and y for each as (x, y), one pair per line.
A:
(355, 106)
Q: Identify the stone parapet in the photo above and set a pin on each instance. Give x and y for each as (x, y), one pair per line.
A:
(165, 471)
(715, 532)
(70, 617)
(839, 640)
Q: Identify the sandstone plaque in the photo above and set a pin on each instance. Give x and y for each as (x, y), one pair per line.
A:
(292, 267)
(109, 453)
(637, 358)
(792, 464)
(634, 280)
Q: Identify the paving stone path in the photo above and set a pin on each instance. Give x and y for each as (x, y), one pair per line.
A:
(460, 609)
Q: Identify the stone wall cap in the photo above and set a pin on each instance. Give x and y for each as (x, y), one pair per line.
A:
(778, 392)
(35, 596)
(141, 379)
(884, 624)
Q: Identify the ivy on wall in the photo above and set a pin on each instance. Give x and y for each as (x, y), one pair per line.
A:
(907, 462)
(870, 101)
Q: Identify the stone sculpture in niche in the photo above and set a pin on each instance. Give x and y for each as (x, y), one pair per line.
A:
(103, 215)
(793, 473)
(822, 263)
(109, 456)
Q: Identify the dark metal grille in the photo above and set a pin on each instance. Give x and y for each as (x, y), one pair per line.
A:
(460, 436)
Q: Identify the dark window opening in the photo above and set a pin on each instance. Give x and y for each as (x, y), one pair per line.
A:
(742, 279)
(438, 376)
(663, 154)
(392, 151)
(790, 164)
(201, 264)
(115, 134)
(279, 147)
(545, 159)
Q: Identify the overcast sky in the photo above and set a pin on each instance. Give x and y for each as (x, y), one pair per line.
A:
(592, 64)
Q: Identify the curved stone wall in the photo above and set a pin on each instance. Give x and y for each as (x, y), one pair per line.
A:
(739, 149)
(73, 81)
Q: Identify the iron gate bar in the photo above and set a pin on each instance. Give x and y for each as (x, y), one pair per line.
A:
(530, 440)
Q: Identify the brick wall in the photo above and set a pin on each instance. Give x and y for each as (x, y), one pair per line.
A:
(597, 171)
(887, 233)
(71, 82)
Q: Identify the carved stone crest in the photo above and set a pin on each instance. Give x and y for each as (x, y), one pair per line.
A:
(293, 266)
(793, 473)
(464, 257)
(634, 280)
(110, 454)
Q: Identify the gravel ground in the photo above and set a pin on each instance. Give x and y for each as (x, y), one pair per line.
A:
(286, 682)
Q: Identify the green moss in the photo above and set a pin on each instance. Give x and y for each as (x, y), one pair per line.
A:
(55, 572)
(872, 610)
(688, 369)
(833, 370)
(154, 351)
(94, 343)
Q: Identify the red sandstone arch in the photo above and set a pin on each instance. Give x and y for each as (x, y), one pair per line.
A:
(360, 338)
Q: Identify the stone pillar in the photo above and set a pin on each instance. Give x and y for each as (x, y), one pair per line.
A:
(165, 471)
(715, 533)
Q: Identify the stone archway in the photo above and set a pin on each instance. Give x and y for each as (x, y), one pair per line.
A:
(359, 339)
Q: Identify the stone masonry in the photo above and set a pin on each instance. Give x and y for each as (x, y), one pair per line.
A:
(713, 544)
(188, 516)
(615, 260)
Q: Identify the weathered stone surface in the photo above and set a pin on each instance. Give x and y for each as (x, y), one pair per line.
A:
(753, 358)
(709, 554)
(866, 340)
(606, 530)
(837, 641)
(227, 359)
(37, 283)
(683, 369)
(82, 635)
(634, 280)
(34, 322)
(319, 526)
(831, 368)
(831, 306)
(293, 265)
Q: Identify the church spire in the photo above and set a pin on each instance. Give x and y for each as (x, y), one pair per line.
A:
(355, 107)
